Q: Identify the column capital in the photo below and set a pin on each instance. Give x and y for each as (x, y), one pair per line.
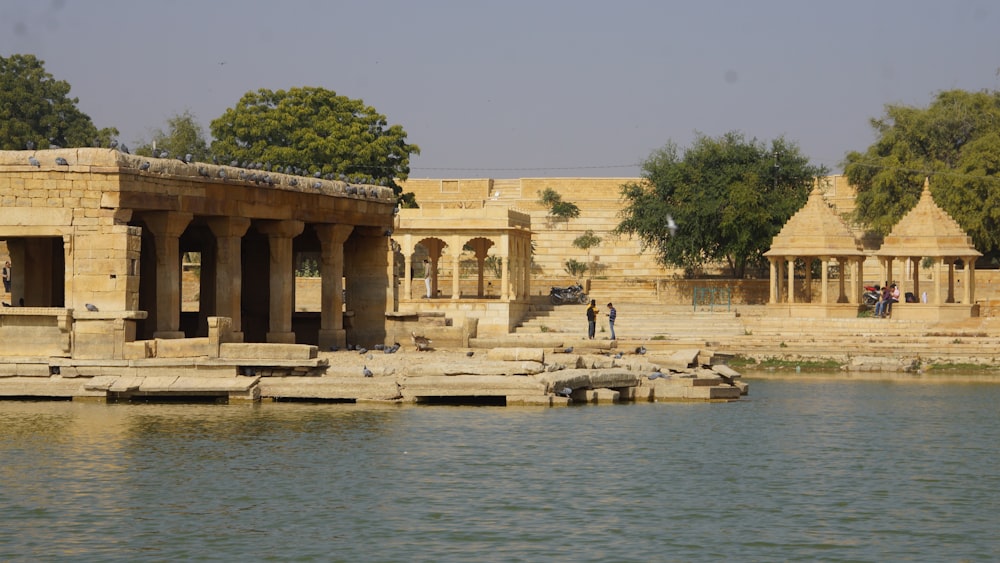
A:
(333, 233)
(228, 226)
(167, 223)
(283, 229)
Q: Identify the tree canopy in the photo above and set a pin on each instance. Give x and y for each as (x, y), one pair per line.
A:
(956, 140)
(722, 200)
(36, 108)
(184, 135)
(315, 130)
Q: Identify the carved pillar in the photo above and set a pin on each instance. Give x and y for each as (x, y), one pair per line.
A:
(790, 265)
(772, 287)
(968, 291)
(282, 278)
(229, 233)
(824, 278)
(331, 330)
(167, 227)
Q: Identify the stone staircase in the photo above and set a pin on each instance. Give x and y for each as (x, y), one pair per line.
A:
(650, 323)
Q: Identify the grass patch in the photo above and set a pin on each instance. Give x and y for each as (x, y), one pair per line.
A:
(806, 365)
(964, 367)
(659, 337)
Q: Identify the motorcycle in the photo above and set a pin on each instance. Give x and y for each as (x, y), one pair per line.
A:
(871, 296)
(571, 294)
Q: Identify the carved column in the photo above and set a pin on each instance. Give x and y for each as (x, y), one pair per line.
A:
(282, 278)
(331, 330)
(167, 227)
(790, 265)
(229, 233)
(772, 288)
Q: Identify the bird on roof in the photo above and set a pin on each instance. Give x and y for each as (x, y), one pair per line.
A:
(124, 148)
(367, 372)
(202, 171)
(317, 185)
(421, 342)
(144, 166)
(114, 144)
(30, 145)
(188, 158)
(222, 174)
(34, 162)
(61, 161)
(568, 350)
(293, 182)
(91, 307)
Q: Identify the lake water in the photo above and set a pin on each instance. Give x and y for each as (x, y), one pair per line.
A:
(803, 469)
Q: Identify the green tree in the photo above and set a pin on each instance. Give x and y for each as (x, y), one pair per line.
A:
(585, 242)
(723, 200)
(36, 108)
(957, 141)
(315, 130)
(557, 207)
(184, 135)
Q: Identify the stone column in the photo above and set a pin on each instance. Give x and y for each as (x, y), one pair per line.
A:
(970, 280)
(407, 248)
(824, 278)
(808, 279)
(331, 329)
(916, 278)
(790, 265)
(282, 278)
(951, 280)
(842, 268)
(229, 233)
(167, 227)
(938, 279)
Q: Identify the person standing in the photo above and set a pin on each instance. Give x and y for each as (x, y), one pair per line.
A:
(592, 319)
(612, 314)
(6, 277)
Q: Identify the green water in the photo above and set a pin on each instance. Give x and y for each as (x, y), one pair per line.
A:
(803, 469)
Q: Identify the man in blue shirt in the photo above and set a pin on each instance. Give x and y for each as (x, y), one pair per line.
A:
(612, 314)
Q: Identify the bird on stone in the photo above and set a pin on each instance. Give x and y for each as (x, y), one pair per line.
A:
(30, 145)
(114, 144)
(618, 356)
(317, 185)
(61, 161)
(654, 375)
(362, 350)
(222, 174)
(568, 350)
(421, 342)
(34, 162)
(202, 171)
(640, 350)
(164, 153)
(367, 372)
(469, 354)
(188, 158)
(293, 182)
(234, 163)
(564, 392)
(91, 307)
(317, 174)
(124, 148)
(144, 166)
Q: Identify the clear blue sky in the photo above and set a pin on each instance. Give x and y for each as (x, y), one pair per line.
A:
(518, 88)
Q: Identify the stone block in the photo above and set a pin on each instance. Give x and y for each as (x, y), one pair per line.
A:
(517, 354)
(265, 351)
(596, 396)
(138, 350)
(184, 348)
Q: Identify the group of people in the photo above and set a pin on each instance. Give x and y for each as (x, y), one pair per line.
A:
(890, 295)
(593, 311)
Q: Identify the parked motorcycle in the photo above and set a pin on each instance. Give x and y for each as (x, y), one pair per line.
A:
(871, 296)
(571, 294)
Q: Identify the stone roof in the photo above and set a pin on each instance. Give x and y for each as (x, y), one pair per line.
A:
(927, 230)
(815, 230)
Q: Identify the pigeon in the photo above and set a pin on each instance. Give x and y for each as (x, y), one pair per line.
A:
(234, 163)
(564, 392)
(124, 148)
(421, 342)
(164, 153)
(114, 144)
(654, 375)
(317, 174)
(469, 354)
(188, 158)
(618, 356)
(34, 162)
(317, 185)
(144, 166)
(222, 174)
(61, 161)
(367, 372)
(30, 145)
(202, 171)
(640, 350)
(568, 350)
(91, 307)
(362, 350)
(293, 182)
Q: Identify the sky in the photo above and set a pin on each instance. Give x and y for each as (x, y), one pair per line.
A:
(518, 88)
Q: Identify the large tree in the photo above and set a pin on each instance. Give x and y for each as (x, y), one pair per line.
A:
(722, 200)
(315, 130)
(35, 108)
(956, 140)
(184, 135)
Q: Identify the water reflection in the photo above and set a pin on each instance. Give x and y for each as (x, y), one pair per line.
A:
(814, 468)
